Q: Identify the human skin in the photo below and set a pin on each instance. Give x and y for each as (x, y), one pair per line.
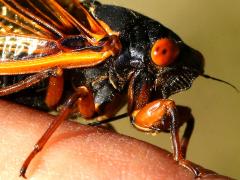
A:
(79, 152)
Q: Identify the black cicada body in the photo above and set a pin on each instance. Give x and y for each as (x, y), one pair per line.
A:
(94, 58)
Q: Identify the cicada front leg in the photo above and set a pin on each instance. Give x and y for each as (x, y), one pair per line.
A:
(164, 115)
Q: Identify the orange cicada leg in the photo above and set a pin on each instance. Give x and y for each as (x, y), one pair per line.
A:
(81, 98)
(66, 110)
(85, 103)
(55, 89)
(164, 115)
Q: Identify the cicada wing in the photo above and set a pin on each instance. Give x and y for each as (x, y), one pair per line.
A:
(84, 19)
(29, 30)
(13, 21)
(48, 19)
(38, 34)
(15, 48)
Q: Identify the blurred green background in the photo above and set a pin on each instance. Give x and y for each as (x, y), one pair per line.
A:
(212, 27)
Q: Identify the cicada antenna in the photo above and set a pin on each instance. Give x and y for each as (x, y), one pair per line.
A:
(220, 80)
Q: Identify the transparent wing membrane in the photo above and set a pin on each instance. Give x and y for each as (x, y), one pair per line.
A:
(22, 48)
(13, 22)
(33, 32)
(47, 18)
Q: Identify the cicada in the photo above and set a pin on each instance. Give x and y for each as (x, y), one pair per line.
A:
(93, 58)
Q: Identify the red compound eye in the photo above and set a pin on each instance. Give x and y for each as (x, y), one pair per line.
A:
(164, 52)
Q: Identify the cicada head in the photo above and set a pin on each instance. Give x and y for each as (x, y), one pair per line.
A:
(174, 64)
(150, 47)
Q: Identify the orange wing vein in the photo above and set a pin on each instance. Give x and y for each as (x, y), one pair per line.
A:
(31, 32)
